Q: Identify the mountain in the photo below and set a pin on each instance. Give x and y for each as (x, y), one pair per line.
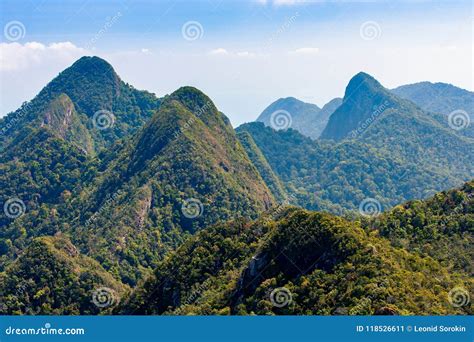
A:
(368, 107)
(128, 205)
(441, 226)
(326, 112)
(306, 118)
(48, 146)
(364, 100)
(90, 102)
(184, 170)
(321, 175)
(105, 190)
(51, 277)
(438, 97)
(456, 104)
(265, 170)
(295, 262)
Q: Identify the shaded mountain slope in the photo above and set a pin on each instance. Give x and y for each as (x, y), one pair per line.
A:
(321, 175)
(441, 226)
(257, 158)
(437, 97)
(385, 148)
(296, 262)
(185, 170)
(109, 108)
(455, 104)
(52, 277)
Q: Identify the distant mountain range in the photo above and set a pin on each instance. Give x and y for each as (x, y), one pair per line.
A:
(375, 145)
(116, 201)
(308, 119)
(438, 97)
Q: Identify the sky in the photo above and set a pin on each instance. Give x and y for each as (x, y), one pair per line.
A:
(242, 54)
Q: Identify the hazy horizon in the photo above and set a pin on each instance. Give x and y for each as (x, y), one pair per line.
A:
(244, 55)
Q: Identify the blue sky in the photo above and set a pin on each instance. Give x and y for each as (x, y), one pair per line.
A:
(246, 53)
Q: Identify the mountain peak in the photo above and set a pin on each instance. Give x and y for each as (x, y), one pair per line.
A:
(362, 81)
(364, 99)
(192, 98)
(92, 62)
(92, 68)
(90, 82)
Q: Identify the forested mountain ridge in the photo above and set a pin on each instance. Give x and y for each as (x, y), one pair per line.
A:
(298, 262)
(167, 198)
(337, 178)
(101, 100)
(116, 205)
(52, 277)
(441, 226)
(438, 97)
(185, 170)
(455, 104)
(128, 207)
(381, 147)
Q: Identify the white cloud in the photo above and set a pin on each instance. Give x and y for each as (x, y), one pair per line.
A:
(306, 51)
(16, 56)
(219, 51)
